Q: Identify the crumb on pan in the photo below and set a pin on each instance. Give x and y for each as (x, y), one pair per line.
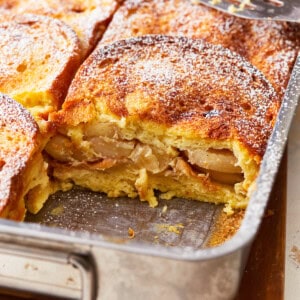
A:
(131, 233)
(57, 211)
(164, 209)
(176, 228)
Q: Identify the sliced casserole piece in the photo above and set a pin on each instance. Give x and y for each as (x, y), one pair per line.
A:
(176, 115)
(23, 172)
(89, 18)
(38, 58)
(270, 46)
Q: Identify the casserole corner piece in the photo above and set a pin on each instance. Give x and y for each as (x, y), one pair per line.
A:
(24, 182)
(168, 114)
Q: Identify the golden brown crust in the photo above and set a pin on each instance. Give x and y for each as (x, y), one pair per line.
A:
(89, 19)
(270, 46)
(18, 142)
(201, 90)
(38, 59)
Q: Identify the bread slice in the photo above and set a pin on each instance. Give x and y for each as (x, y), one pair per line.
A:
(23, 172)
(89, 18)
(168, 114)
(271, 47)
(38, 59)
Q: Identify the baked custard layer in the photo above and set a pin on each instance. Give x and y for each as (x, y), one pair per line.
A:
(120, 166)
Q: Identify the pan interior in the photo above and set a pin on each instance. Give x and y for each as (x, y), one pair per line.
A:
(176, 222)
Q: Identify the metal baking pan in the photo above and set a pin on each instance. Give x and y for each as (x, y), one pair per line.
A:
(83, 245)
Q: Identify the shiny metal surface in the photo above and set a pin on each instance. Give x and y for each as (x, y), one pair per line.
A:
(156, 263)
(179, 222)
(49, 272)
(279, 10)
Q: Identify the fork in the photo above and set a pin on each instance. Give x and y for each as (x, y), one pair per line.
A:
(280, 10)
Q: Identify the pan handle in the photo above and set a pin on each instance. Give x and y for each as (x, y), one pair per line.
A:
(26, 270)
(88, 272)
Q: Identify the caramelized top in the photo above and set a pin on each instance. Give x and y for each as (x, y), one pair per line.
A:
(88, 18)
(196, 88)
(270, 46)
(18, 141)
(38, 58)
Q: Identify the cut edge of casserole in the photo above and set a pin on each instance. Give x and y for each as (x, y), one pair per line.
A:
(123, 158)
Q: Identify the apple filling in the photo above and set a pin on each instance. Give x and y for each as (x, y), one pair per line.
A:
(220, 164)
(104, 152)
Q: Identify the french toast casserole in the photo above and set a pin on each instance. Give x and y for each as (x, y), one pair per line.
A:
(139, 98)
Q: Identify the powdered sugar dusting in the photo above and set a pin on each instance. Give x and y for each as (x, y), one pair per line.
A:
(155, 71)
(88, 18)
(186, 80)
(272, 47)
(38, 55)
(18, 134)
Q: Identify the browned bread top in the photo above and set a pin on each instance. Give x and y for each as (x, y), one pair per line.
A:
(38, 59)
(18, 141)
(188, 87)
(88, 18)
(270, 46)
